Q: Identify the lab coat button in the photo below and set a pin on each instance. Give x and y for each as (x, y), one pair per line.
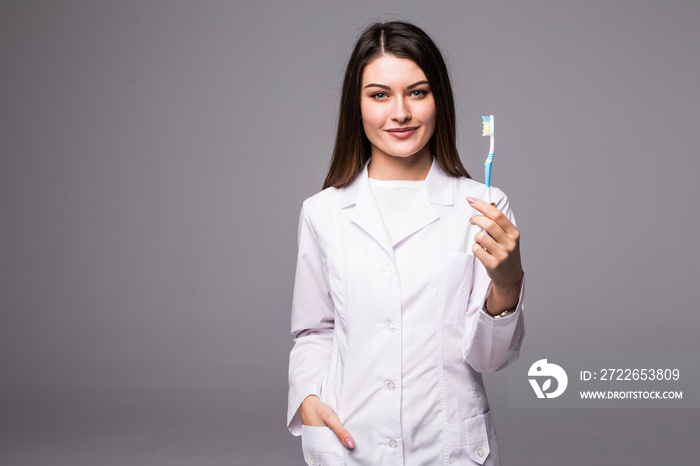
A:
(390, 270)
(480, 451)
(391, 386)
(390, 327)
(312, 459)
(393, 443)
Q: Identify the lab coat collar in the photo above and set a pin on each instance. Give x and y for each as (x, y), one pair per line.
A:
(439, 186)
(438, 189)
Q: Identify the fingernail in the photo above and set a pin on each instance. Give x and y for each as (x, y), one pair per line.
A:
(471, 200)
(349, 443)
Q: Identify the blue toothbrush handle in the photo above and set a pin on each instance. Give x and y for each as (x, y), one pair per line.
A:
(487, 173)
(487, 169)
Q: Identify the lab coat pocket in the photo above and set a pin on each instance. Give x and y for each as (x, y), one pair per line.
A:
(321, 446)
(456, 286)
(473, 441)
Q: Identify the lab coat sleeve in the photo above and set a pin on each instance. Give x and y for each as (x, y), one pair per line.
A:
(312, 323)
(491, 344)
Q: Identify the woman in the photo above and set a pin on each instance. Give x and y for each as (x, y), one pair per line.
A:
(408, 285)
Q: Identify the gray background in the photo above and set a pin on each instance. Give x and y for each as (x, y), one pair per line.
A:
(154, 157)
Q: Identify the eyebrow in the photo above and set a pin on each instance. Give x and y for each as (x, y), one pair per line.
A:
(382, 86)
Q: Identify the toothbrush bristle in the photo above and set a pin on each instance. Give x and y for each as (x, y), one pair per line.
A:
(486, 120)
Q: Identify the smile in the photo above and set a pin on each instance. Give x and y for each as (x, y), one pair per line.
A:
(402, 133)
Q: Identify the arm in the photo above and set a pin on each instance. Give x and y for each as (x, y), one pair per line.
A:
(312, 327)
(498, 286)
(312, 324)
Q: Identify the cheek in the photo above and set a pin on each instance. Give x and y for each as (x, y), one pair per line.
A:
(372, 118)
(428, 118)
(431, 121)
(427, 113)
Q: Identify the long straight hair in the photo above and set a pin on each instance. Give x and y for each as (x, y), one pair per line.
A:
(404, 40)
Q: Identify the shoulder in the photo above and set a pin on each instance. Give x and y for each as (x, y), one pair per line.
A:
(318, 209)
(472, 188)
(319, 216)
(466, 187)
(322, 200)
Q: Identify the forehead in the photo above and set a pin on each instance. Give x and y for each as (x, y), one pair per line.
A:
(389, 69)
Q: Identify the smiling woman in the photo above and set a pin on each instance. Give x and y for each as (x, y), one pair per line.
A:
(408, 285)
(397, 40)
(398, 117)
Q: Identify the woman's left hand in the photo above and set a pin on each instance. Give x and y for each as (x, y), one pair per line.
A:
(499, 251)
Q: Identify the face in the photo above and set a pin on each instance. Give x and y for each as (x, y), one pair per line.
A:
(398, 109)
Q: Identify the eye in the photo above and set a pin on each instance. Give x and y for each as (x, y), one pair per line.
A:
(418, 93)
(379, 95)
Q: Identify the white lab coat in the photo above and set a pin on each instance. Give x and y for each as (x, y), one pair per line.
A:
(394, 336)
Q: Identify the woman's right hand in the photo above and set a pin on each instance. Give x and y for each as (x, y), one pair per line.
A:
(316, 413)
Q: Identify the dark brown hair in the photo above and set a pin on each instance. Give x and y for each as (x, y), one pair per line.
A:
(403, 40)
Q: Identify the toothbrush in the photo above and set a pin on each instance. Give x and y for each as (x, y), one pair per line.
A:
(489, 126)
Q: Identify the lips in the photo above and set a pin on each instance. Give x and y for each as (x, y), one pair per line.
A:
(402, 132)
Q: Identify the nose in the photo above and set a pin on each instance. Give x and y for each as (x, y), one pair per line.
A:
(401, 111)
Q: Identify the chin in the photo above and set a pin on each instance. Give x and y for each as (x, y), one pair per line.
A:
(410, 154)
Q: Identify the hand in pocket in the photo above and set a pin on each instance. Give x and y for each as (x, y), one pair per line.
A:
(316, 413)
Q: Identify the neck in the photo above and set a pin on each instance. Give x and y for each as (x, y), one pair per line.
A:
(386, 167)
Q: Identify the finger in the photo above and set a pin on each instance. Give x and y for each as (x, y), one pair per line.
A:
(498, 244)
(488, 225)
(483, 256)
(310, 412)
(332, 421)
(487, 241)
(490, 211)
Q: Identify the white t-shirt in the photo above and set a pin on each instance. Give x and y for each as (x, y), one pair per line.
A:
(394, 197)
